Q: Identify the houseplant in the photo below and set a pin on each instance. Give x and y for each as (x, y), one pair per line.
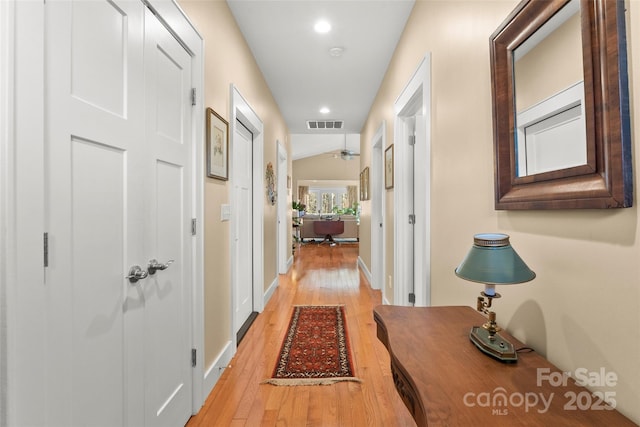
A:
(297, 206)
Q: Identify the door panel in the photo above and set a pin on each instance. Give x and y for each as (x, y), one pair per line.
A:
(99, 48)
(98, 253)
(422, 250)
(168, 293)
(411, 237)
(170, 88)
(378, 196)
(93, 163)
(283, 227)
(242, 152)
(166, 316)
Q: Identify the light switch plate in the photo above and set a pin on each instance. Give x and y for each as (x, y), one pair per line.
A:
(225, 212)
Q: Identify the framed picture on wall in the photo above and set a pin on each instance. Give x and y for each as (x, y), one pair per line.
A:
(217, 146)
(364, 184)
(388, 167)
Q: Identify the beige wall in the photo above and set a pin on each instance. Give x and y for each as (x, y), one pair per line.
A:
(324, 167)
(583, 309)
(228, 60)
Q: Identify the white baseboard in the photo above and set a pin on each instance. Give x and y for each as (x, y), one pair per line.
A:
(365, 270)
(270, 290)
(289, 263)
(368, 276)
(213, 372)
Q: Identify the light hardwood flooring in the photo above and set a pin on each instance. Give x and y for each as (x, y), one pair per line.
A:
(321, 274)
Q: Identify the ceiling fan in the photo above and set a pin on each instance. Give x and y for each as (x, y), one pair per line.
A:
(347, 154)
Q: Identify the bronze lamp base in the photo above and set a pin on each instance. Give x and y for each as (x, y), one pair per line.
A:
(493, 344)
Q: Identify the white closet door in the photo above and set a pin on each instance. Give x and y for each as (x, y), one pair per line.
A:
(95, 161)
(118, 177)
(167, 293)
(243, 186)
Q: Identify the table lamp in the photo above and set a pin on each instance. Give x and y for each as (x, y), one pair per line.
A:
(493, 261)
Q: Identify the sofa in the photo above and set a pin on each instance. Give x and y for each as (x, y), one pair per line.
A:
(350, 226)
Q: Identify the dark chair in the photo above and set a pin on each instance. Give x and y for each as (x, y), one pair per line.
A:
(328, 229)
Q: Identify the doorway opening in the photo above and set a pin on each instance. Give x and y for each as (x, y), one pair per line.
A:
(248, 127)
(283, 227)
(378, 203)
(412, 194)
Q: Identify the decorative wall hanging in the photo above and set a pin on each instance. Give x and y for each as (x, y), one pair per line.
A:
(388, 167)
(364, 184)
(217, 146)
(271, 184)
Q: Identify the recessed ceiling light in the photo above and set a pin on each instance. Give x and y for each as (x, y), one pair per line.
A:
(322, 27)
(325, 110)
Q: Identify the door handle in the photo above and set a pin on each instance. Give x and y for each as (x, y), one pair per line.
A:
(136, 273)
(154, 266)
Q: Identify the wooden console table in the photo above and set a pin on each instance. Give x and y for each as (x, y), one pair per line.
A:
(444, 380)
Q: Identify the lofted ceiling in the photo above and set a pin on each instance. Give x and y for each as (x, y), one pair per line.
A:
(341, 69)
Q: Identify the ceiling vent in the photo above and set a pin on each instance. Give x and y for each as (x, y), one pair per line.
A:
(325, 124)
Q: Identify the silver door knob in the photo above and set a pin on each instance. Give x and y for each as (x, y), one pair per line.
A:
(154, 266)
(136, 273)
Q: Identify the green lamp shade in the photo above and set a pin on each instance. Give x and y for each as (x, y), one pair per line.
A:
(493, 261)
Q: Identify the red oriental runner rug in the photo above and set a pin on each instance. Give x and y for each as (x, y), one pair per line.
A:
(315, 350)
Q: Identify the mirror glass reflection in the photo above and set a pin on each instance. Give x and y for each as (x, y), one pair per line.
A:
(550, 131)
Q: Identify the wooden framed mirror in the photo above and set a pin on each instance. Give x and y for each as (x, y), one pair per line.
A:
(570, 147)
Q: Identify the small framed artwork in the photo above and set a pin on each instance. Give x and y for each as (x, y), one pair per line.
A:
(217, 146)
(388, 167)
(270, 177)
(364, 184)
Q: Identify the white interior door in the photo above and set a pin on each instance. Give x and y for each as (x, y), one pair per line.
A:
(412, 195)
(116, 196)
(410, 137)
(167, 292)
(243, 187)
(284, 228)
(95, 209)
(421, 208)
(378, 196)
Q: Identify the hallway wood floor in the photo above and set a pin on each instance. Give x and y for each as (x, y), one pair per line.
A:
(321, 274)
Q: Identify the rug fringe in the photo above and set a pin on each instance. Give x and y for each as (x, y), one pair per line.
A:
(308, 381)
(318, 306)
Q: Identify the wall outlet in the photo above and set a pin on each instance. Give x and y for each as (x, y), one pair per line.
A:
(390, 282)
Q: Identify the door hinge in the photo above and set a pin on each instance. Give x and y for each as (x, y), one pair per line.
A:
(412, 298)
(412, 219)
(193, 357)
(193, 96)
(412, 140)
(194, 223)
(45, 245)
